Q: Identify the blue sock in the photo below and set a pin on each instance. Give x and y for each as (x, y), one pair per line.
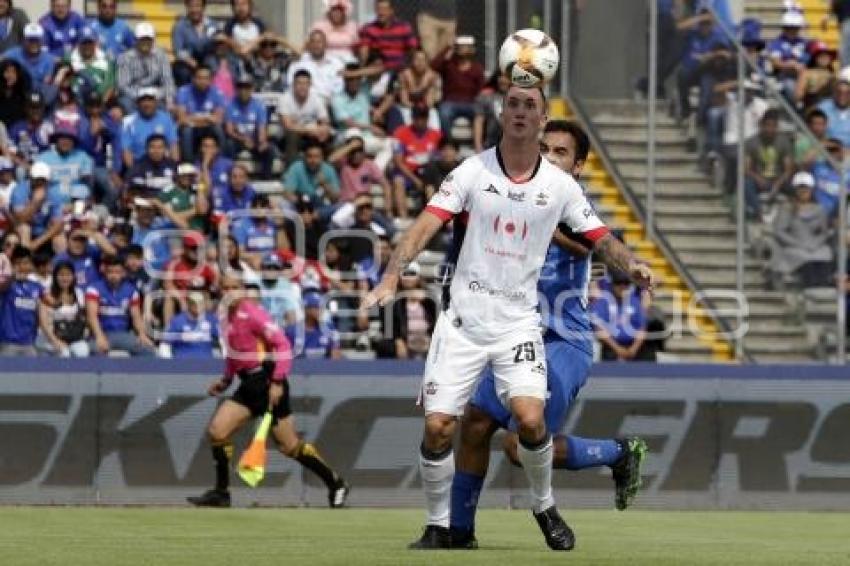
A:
(465, 491)
(590, 452)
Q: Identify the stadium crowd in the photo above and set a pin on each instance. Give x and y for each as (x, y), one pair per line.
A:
(791, 188)
(132, 179)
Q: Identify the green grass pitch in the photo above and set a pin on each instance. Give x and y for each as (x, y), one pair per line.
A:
(252, 537)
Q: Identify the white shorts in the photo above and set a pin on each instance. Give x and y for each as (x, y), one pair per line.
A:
(455, 364)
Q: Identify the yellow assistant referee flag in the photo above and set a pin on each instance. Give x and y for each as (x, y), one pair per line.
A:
(252, 464)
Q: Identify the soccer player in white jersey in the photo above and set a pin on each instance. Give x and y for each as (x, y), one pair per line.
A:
(511, 200)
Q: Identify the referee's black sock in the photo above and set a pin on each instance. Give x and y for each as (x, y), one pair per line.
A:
(308, 456)
(222, 453)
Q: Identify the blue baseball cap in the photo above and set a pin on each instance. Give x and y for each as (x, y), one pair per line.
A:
(88, 34)
(312, 300)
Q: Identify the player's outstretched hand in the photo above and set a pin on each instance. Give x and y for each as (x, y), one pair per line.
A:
(642, 275)
(381, 294)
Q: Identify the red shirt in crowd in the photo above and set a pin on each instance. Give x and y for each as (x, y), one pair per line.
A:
(185, 275)
(392, 42)
(417, 148)
(459, 85)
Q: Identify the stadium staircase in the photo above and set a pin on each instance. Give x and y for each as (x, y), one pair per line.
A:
(697, 221)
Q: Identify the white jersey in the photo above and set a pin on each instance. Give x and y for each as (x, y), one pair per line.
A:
(509, 226)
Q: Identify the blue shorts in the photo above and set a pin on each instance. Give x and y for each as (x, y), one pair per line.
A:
(568, 367)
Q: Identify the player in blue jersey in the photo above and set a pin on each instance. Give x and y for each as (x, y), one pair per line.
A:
(569, 353)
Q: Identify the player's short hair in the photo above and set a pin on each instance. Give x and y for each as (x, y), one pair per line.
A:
(538, 88)
(573, 129)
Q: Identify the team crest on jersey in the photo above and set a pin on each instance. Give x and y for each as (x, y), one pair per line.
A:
(541, 199)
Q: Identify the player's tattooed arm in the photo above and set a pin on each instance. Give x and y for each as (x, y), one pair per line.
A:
(614, 254)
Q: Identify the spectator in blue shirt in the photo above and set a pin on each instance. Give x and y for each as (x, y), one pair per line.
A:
(317, 338)
(147, 120)
(146, 226)
(619, 320)
(246, 126)
(100, 137)
(213, 166)
(280, 296)
(85, 248)
(237, 195)
(193, 333)
(154, 173)
(19, 313)
(37, 62)
(827, 179)
(706, 51)
(37, 207)
(114, 34)
(788, 53)
(312, 176)
(70, 168)
(258, 235)
(191, 40)
(837, 110)
(113, 312)
(62, 27)
(200, 111)
(31, 136)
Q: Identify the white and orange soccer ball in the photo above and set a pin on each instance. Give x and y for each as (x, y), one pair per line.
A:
(529, 57)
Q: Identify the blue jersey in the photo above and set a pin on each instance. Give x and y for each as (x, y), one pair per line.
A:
(137, 129)
(256, 237)
(113, 304)
(192, 337)
(623, 318)
(827, 186)
(86, 266)
(19, 312)
(198, 102)
(698, 44)
(40, 67)
(219, 172)
(225, 200)
(60, 36)
(69, 170)
(114, 38)
(51, 210)
(786, 49)
(248, 118)
(28, 140)
(96, 145)
(157, 250)
(313, 343)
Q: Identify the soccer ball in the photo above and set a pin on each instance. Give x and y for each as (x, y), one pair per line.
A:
(529, 57)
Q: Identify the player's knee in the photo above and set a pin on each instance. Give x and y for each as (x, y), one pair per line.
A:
(476, 429)
(530, 426)
(439, 430)
(216, 433)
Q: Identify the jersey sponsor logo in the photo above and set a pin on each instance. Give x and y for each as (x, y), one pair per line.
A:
(516, 197)
(492, 189)
(504, 253)
(510, 228)
(483, 288)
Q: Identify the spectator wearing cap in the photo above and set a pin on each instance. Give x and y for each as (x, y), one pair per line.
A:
(14, 91)
(258, 235)
(802, 234)
(7, 187)
(388, 36)
(723, 123)
(787, 52)
(20, 297)
(189, 270)
(191, 39)
(147, 120)
(236, 196)
(225, 64)
(64, 98)
(12, 32)
(113, 33)
(325, 71)
(154, 173)
(182, 204)
(213, 167)
(145, 225)
(837, 109)
(200, 111)
(100, 137)
(416, 145)
(304, 115)
(94, 68)
(352, 114)
(808, 144)
(340, 30)
(769, 164)
(463, 79)
(243, 27)
(270, 57)
(707, 52)
(114, 315)
(315, 337)
(361, 218)
(37, 62)
(827, 178)
(817, 81)
(619, 319)
(62, 27)
(70, 167)
(246, 127)
(312, 176)
(307, 230)
(86, 245)
(194, 332)
(280, 296)
(145, 66)
(32, 135)
(414, 316)
(750, 34)
(37, 207)
(357, 173)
